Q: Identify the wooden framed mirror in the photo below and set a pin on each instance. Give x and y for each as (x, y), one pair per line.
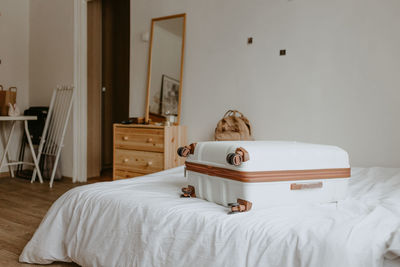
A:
(165, 69)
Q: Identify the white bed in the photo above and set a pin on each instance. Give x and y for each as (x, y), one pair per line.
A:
(143, 222)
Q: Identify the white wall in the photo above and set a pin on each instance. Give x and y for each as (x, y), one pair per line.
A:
(52, 58)
(339, 83)
(14, 55)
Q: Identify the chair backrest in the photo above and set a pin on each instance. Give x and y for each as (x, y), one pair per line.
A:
(57, 120)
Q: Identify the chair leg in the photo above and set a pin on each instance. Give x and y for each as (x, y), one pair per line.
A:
(53, 173)
(28, 136)
(39, 156)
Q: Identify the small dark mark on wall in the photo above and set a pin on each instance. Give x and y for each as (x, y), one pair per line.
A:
(282, 52)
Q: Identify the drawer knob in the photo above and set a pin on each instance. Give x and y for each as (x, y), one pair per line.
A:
(149, 140)
(126, 160)
(149, 163)
(125, 138)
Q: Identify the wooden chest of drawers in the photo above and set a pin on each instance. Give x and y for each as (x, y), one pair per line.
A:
(144, 149)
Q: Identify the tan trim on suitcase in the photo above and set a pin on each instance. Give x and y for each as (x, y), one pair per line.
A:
(268, 176)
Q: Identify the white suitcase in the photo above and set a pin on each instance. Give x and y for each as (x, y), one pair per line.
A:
(259, 174)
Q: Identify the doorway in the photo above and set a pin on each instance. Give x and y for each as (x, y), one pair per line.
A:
(108, 78)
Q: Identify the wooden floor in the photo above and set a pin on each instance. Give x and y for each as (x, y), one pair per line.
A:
(22, 207)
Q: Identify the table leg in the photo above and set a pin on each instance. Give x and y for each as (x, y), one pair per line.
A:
(5, 153)
(28, 137)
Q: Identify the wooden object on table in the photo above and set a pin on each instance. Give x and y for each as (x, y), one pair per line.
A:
(6, 97)
(144, 149)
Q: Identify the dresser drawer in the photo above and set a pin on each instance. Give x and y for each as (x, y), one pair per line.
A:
(138, 161)
(139, 139)
(123, 174)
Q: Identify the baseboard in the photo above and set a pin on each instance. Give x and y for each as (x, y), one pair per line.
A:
(4, 174)
(7, 174)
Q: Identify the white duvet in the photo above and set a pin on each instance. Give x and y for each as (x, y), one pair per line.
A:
(143, 222)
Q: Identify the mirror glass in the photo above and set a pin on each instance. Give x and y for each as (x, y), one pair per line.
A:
(165, 69)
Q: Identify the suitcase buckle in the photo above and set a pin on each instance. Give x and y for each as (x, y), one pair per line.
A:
(240, 206)
(188, 192)
(240, 155)
(184, 151)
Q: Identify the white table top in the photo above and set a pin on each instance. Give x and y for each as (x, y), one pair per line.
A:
(18, 118)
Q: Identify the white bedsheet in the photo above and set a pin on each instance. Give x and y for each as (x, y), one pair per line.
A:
(143, 222)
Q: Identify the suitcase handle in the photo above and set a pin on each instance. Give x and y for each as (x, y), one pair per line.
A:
(233, 112)
(306, 186)
(240, 155)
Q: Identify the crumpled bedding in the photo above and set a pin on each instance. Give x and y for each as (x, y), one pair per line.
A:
(144, 222)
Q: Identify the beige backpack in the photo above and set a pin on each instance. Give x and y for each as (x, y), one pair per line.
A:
(233, 126)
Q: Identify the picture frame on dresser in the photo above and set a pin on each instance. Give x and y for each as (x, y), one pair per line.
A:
(169, 96)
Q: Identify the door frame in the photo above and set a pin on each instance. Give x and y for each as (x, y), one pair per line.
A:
(80, 110)
(94, 93)
(80, 82)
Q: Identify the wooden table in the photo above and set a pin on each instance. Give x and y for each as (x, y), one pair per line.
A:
(5, 161)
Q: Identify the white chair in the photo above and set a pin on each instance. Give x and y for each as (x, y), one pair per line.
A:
(52, 140)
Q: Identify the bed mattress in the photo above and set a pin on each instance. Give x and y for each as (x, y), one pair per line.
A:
(144, 222)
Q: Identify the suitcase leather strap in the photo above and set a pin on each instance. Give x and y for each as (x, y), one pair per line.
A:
(268, 176)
